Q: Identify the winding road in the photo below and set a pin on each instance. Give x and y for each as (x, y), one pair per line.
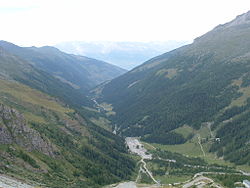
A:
(137, 148)
(199, 142)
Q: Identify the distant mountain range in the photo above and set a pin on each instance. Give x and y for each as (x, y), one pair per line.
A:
(123, 54)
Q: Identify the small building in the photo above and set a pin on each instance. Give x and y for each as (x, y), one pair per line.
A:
(217, 139)
(246, 183)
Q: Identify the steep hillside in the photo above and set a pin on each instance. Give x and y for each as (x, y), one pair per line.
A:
(45, 137)
(43, 141)
(77, 71)
(15, 68)
(206, 81)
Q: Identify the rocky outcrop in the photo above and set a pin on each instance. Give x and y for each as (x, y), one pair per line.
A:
(240, 20)
(14, 130)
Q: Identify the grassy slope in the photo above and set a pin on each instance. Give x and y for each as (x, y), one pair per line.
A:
(192, 148)
(58, 123)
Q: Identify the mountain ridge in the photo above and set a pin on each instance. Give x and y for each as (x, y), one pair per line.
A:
(47, 135)
(78, 71)
(124, 54)
(189, 85)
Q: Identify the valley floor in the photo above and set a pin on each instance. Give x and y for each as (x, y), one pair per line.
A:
(201, 179)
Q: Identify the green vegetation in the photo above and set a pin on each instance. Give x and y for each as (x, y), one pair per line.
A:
(102, 122)
(229, 180)
(171, 179)
(167, 138)
(186, 131)
(234, 142)
(78, 72)
(207, 81)
(171, 167)
(14, 68)
(192, 106)
(191, 148)
(85, 155)
(23, 155)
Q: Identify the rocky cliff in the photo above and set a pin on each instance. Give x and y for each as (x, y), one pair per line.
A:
(14, 130)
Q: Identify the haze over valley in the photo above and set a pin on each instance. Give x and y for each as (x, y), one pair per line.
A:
(115, 114)
(123, 54)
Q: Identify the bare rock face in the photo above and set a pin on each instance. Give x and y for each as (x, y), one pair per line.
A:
(241, 19)
(14, 130)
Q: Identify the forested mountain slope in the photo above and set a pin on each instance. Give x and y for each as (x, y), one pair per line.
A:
(16, 69)
(45, 136)
(206, 81)
(77, 71)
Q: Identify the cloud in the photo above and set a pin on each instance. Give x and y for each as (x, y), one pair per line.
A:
(43, 22)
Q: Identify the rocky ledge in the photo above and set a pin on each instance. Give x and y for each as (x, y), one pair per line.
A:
(14, 130)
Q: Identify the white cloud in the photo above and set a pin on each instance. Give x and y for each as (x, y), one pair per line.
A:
(42, 22)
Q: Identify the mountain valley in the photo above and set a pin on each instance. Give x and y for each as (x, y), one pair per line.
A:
(205, 82)
(180, 119)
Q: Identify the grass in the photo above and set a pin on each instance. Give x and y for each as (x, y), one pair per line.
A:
(36, 107)
(192, 148)
(90, 109)
(167, 179)
(242, 99)
(188, 149)
(102, 122)
(185, 130)
(57, 124)
(32, 96)
(108, 108)
(148, 66)
(168, 73)
(204, 132)
(34, 118)
(211, 158)
(244, 168)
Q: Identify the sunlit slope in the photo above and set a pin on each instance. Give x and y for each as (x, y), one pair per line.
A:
(76, 153)
(45, 136)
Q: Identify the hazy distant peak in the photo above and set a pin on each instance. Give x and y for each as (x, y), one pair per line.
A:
(123, 54)
(241, 22)
(241, 19)
(45, 49)
(49, 48)
(6, 44)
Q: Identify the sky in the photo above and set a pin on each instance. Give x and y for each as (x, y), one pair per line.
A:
(48, 22)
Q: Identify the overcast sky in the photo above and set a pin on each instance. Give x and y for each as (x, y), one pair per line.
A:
(46, 22)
